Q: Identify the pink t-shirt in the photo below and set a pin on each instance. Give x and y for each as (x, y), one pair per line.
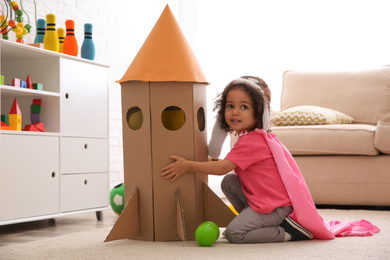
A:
(258, 173)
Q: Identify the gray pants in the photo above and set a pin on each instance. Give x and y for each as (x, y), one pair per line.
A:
(250, 226)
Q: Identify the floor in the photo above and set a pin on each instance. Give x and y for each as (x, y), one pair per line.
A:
(36, 230)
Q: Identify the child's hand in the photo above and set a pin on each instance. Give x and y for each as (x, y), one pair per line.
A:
(174, 170)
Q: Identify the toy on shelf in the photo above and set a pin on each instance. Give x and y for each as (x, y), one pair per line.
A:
(4, 126)
(70, 43)
(29, 83)
(41, 30)
(35, 110)
(50, 41)
(38, 86)
(36, 124)
(17, 25)
(15, 116)
(1, 80)
(88, 47)
(61, 38)
(16, 82)
(4, 25)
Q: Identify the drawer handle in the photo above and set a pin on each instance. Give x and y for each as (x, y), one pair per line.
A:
(67, 95)
(85, 182)
(85, 146)
(53, 174)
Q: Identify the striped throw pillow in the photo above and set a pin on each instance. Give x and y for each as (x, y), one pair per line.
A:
(310, 115)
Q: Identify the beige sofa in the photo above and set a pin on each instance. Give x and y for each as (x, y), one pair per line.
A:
(343, 164)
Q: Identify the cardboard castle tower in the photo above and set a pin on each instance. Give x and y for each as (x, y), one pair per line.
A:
(164, 113)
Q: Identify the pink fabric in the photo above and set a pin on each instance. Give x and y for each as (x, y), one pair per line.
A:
(305, 212)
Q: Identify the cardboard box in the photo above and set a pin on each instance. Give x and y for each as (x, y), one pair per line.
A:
(164, 112)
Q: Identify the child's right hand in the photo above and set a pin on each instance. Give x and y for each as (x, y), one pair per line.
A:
(174, 170)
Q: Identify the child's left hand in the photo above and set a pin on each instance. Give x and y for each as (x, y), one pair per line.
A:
(174, 170)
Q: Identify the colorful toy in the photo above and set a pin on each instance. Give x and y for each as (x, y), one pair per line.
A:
(35, 111)
(207, 233)
(117, 198)
(70, 42)
(61, 38)
(88, 47)
(4, 126)
(2, 80)
(29, 83)
(16, 82)
(4, 25)
(50, 41)
(38, 86)
(15, 116)
(16, 24)
(41, 30)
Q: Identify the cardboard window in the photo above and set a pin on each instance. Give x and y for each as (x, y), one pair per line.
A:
(173, 118)
(201, 119)
(134, 118)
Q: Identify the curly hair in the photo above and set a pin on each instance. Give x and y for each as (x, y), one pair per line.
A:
(257, 94)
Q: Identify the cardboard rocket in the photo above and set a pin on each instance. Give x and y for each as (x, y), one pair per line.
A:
(164, 113)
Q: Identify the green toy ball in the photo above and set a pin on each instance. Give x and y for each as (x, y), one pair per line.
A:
(117, 198)
(207, 233)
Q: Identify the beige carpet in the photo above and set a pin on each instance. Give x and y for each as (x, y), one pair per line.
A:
(90, 245)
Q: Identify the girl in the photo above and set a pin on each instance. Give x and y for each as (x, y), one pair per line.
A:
(257, 192)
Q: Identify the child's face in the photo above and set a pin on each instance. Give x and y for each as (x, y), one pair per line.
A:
(239, 111)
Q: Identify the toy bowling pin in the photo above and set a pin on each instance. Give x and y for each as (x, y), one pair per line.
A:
(88, 47)
(41, 29)
(50, 41)
(61, 37)
(70, 43)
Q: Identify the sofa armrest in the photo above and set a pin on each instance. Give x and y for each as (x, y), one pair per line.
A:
(382, 137)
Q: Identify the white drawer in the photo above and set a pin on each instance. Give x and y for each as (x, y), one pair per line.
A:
(83, 191)
(84, 155)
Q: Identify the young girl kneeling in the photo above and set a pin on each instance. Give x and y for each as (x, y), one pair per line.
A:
(257, 190)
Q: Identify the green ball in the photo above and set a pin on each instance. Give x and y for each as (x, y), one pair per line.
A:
(117, 198)
(207, 233)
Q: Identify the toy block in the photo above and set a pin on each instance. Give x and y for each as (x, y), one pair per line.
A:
(31, 128)
(5, 119)
(15, 109)
(37, 102)
(40, 126)
(16, 82)
(1, 79)
(4, 126)
(34, 118)
(15, 121)
(38, 86)
(23, 84)
(29, 82)
(35, 109)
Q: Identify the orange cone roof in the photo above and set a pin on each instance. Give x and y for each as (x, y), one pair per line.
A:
(165, 55)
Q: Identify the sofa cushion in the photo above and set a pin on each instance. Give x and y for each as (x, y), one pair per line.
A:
(382, 137)
(363, 95)
(340, 139)
(310, 115)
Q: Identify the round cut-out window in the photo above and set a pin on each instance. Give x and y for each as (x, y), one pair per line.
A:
(201, 119)
(173, 118)
(134, 118)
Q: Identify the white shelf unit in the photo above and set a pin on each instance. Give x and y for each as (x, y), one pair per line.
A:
(65, 169)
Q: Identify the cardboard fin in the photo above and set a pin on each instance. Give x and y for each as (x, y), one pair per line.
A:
(127, 225)
(215, 209)
(180, 224)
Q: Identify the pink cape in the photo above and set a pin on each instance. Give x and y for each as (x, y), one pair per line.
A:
(305, 211)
